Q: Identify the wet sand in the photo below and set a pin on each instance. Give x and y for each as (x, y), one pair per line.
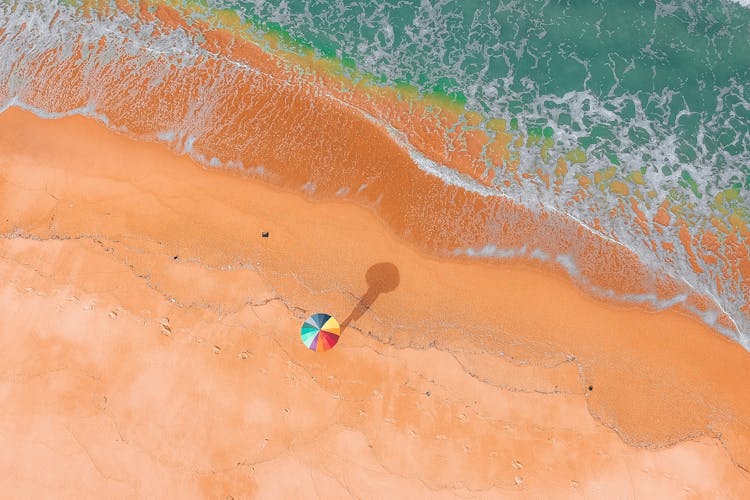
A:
(151, 342)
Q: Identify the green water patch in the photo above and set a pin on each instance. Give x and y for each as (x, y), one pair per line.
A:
(576, 156)
(687, 181)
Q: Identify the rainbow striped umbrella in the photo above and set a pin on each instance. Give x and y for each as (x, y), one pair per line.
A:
(320, 332)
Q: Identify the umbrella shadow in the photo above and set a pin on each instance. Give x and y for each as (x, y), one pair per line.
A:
(382, 277)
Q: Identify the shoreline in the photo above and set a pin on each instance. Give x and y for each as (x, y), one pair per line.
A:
(359, 157)
(615, 273)
(86, 207)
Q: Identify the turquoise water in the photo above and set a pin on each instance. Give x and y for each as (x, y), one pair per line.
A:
(648, 71)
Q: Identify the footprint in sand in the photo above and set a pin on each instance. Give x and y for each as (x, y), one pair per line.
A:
(165, 328)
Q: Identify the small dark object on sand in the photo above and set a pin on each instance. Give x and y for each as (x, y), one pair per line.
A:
(264, 234)
(174, 258)
(591, 387)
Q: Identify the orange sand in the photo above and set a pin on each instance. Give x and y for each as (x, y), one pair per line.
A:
(311, 129)
(151, 349)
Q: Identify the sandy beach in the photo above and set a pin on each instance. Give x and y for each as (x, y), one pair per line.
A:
(151, 349)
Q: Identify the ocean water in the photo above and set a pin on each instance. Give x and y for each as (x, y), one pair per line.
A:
(631, 118)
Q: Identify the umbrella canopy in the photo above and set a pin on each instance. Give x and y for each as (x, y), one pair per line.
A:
(320, 332)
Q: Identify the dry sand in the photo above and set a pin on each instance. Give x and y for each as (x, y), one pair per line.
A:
(151, 349)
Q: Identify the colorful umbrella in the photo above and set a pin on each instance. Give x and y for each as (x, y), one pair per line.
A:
(320, 332)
